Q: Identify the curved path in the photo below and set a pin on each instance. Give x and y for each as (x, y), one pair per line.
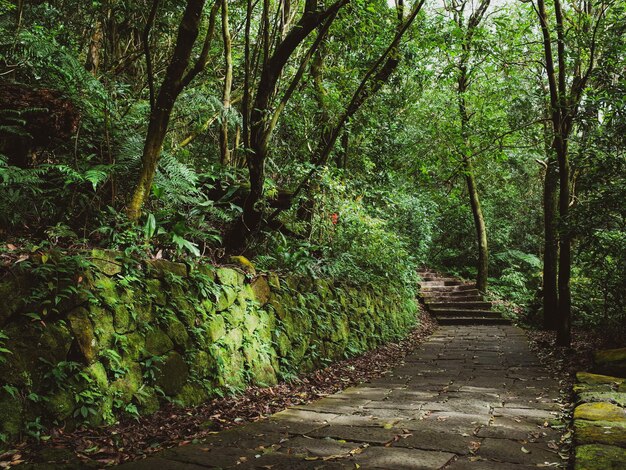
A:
(471, 397)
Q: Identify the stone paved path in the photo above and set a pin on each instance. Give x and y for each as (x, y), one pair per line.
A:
(471, 397)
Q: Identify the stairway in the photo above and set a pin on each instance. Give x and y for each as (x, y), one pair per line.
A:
(455, 302)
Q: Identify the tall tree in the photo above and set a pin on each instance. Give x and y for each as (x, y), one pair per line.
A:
(177, 76)
(467, 28)
(263, 116)
(575, 32)
(225, 154)
(376, 76)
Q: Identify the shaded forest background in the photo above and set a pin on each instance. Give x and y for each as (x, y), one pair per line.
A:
(356, 140)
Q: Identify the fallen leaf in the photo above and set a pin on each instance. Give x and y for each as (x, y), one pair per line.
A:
(525, 450)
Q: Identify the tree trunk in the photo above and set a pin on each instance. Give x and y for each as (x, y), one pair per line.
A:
(92, 63)
(565, 256)
(551, 247)
(463, 81)
(260, 130)
(479, 224)
(173, 83)
(225, 156)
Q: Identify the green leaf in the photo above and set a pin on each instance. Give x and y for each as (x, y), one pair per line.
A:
(149, 228)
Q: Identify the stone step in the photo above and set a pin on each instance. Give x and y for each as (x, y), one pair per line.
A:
(453, 298)
(462, 312)
(461, 303)
(454, 293)
(472, 321)
(449, 289)
(428, 282)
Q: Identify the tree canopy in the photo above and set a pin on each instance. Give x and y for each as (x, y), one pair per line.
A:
(356, 139)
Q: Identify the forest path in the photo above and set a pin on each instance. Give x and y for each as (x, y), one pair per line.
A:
(471, 397)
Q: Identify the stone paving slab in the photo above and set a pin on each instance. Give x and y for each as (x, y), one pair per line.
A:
(471, 397)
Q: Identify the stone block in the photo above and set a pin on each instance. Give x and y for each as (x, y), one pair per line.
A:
(163, 266)
(172, 374)
(610, 362)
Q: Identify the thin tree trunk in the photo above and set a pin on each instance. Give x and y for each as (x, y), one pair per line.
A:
(175, 80)
(260, 131)
(342, 158)
(225, 157)
(245, 107)
(92, 63)
(551, 247)
(479, 224)
(372, 81)
(466, 156)
(565, 256)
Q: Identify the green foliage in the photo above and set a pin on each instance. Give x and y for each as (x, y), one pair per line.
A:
(3, 350)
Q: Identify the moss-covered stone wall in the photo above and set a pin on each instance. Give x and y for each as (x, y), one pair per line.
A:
(121, 339)
(600, 413)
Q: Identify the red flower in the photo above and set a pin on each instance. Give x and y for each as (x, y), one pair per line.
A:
(334, 218)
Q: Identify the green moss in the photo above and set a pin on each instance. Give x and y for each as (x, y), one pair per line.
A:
(599, 432)
(232, 369)
(142, 311)
(225, 298)
(192, 394)
(277, 305)
(160, 267)
(617, 398)
(207, 270)
(216, 328)
(106, 261)
(98, 374)
(262, 372)
(237, 347)
(203, 365)
(595, 379)
(122, 320)
(83, 331)
(185, 312)
(147, 400)
(154, 290)
(11, 412)
(103, 325)
(251, 322)
(235, 315)
(233, 339)
(158, 343)
(54, 342)
(105, 287)
(340, 331)
(134, 346)
(261, 290)
(230, 277)
(208, 307)
(177, 331)
(172, 374)
(128, 385)
(273, 280)
(60, 404)
(580, 388)
(599, 457)
(600, 412)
